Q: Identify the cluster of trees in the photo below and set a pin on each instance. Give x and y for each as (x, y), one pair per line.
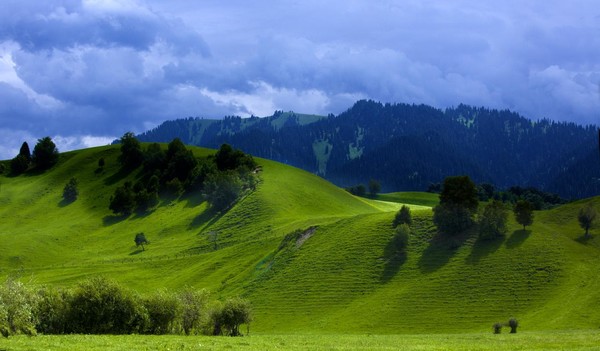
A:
(45, 155)
(402, 222)
(458, 207)
(540, 200)
(361, 189)
(102, 306)
(222, 178)
(513, 323)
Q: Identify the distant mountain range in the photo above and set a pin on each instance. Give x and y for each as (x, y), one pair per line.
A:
(408, 147)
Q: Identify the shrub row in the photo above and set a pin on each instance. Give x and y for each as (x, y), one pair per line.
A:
(102, 306)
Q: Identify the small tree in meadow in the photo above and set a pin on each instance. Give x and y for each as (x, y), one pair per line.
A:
(403, 216)
(492, 223)
(71, 191)
(513, 323)
(587, 215)
(228, 317)
(400, 238)
(140, 240)
(523, 211)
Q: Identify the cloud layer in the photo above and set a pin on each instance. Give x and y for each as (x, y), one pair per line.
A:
(86, 71)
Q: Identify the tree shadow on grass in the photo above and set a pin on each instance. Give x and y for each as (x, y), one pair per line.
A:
(64, 202)
(584, 239)
(113, 219)
(136, 252)
(193, 199)
(206, 219)
(441, 248)
(119, 175)
(517, 238)
(395, 260)
(483, 247)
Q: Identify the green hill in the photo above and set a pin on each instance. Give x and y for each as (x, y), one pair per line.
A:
(310, 256)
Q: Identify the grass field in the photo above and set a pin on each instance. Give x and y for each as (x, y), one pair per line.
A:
(531, 341)
(309, 256)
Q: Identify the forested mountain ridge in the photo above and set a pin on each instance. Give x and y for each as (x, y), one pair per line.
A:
(408, 147)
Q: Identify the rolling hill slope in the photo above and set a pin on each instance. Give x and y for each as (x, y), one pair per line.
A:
(310, 256)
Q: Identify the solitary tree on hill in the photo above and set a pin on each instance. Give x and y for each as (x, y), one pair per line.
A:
(523, 211)
(403, 216)
(140, 240)
(587, 216)
(70, 191)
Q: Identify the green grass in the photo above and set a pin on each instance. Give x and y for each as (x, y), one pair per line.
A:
(411, 198)
(530, 341)
(339, 275)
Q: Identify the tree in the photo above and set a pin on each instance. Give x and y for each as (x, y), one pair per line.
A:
(401, 236)
(358, 190)
(492, 223)
(19, 164)
(180, 161)
(458, 203)
(24, 151)
(513, 323)
(460, 190)
(403, 216)
(195, 312)
(154, 158)
(123, 200)
(228, 318)
(523, 211)
(222, 190)
(45, 153)
(140, 240)
(374, 187)
(101, 162)
(227, 158)
(71, 191)
(102, 306)
(587, 216)
(131, 151)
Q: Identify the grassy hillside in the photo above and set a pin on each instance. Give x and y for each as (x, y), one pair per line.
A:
(310, 256)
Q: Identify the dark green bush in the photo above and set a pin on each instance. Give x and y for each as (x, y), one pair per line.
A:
(52, 310)
(164, 312)
(513, 324)
(101, 306)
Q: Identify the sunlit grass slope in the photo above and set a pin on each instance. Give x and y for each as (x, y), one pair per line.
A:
(60, 242)
(311, 257)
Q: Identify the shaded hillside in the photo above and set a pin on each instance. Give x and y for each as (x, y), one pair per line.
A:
(408, 147)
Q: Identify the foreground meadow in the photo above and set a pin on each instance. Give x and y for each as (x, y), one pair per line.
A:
(547, 340)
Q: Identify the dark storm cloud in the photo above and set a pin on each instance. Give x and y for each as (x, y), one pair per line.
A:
(89, 70)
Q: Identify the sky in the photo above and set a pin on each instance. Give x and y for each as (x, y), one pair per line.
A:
(84, 72)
